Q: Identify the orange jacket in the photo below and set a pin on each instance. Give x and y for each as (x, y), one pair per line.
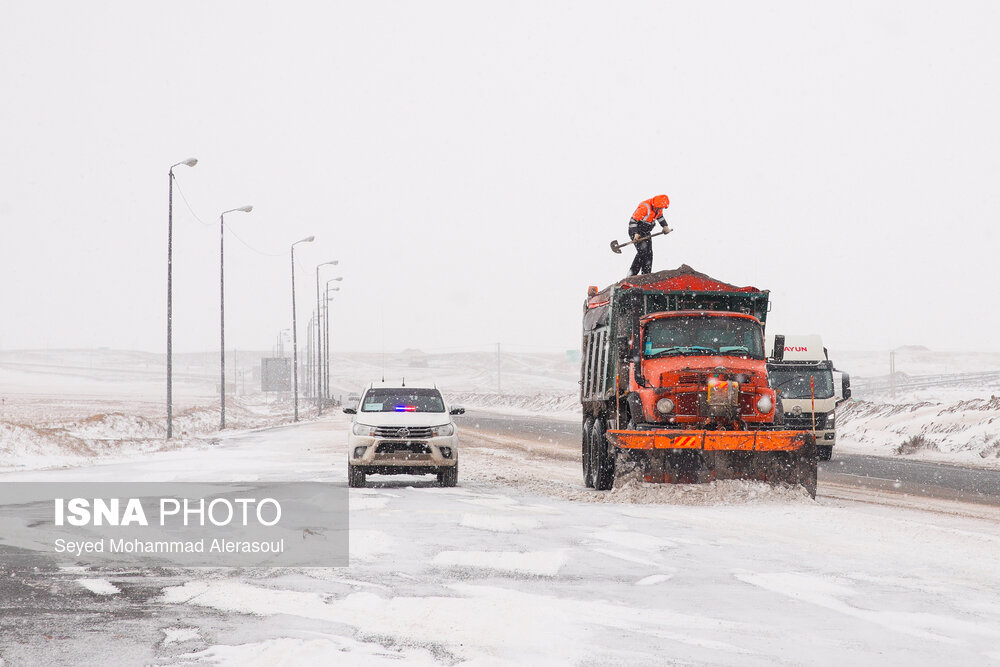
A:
(652, 208)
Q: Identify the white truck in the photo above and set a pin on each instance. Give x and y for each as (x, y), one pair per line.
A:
(801, 373)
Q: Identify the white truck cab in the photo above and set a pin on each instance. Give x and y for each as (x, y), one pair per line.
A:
(801, 373)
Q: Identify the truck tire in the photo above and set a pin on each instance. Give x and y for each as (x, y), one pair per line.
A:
(825, 452)
(355, 476)
(602, 465)
(448, 476)
(588, 425)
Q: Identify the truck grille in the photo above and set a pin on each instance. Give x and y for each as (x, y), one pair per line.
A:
(804, 421)
(404, 432)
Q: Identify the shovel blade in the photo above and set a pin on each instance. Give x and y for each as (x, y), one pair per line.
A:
(615, 248)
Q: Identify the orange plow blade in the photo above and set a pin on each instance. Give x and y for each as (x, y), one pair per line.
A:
(775, 457)
(716, 441)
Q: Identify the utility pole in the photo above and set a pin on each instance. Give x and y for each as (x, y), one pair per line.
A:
(499, 391)
(190, 162)
(295, 339)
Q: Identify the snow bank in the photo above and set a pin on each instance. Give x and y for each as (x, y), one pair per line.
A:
(966, 432)
(30, 439)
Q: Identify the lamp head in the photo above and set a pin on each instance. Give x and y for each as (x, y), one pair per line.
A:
(191, 161)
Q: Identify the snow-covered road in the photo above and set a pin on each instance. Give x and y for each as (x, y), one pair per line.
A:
(521, 565)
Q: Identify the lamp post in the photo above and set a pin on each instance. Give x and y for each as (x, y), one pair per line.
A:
(326, 334)
(319, 357)
(295, 339)
(279, 344)
(222, 310)
(190, 162)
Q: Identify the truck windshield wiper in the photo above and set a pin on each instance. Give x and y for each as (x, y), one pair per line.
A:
(682, 350)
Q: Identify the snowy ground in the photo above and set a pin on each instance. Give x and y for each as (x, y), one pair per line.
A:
(521, 565)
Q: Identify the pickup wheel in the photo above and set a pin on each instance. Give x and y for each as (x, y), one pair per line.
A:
(355, 476)
(825, 452)
(602, 465)
(588, 425)
(448, 476)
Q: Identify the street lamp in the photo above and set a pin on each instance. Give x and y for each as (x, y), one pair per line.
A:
(190, 162)
(319, 330)
(295, 339)
(326, 335)
(222, 310)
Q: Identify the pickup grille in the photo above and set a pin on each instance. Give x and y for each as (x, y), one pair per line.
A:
(408, 447)
(403, 432)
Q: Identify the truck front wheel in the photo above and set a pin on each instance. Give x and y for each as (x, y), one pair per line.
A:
(588, 425)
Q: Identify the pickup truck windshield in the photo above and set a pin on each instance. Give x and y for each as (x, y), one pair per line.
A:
(794, 383)
(403, 399)
(703, 335)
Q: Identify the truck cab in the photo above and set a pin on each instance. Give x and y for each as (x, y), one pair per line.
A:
(700, 369)
(803, 376)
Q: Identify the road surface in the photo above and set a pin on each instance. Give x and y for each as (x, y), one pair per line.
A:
(851, 471)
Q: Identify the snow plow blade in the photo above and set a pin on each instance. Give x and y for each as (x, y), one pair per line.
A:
(746, 441)
(665, 456)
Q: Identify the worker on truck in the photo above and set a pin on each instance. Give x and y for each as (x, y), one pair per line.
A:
(642, 222)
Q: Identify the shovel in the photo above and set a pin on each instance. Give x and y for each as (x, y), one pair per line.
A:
(616, 247)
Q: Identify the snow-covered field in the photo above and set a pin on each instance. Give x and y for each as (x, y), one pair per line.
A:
(71, 407)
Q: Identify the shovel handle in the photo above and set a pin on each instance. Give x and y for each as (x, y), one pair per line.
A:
(616, 247)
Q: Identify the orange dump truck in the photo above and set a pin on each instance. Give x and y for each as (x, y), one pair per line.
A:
(675, 385)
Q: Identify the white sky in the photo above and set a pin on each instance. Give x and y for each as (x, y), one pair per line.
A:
(469, 163)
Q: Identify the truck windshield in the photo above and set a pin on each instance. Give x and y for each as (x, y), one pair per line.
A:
(402, 399)
(702, 335)
(794, 382)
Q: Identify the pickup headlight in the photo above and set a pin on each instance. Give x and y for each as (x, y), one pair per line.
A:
(830, 420)
(445, 429)
(362, 429)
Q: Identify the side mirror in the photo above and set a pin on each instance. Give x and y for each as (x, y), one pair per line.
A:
(778, 353)
(457, 410)
(846, 386)
(640, 379)
(350, 411)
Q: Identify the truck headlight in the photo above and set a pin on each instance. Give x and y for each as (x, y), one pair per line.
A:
(665, 405)
(764, 405)
(362, 429)
(446, 429)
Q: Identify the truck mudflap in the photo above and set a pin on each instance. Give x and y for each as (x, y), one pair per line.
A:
(736, 441)
(691, 457)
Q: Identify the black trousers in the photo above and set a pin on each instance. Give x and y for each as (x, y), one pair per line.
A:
(643, 262)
